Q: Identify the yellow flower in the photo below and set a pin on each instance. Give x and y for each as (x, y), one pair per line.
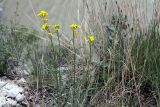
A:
(56, 27)
(43, 13)
(73, 26)
(90, 38)
(45, 26)
(45, 20)
(49, 35)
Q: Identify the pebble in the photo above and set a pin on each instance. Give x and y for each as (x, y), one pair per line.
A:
(11, 93)
(22, 82)
(20, 97)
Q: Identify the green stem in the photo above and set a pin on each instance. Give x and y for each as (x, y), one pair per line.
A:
(52, 46)
(88, 63)
(90, 46)
(54, 58)
(60, 78)
(74, 69)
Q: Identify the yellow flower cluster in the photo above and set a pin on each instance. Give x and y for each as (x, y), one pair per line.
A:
(43, 13)
(90, 38)
(56, 27)
(45, 20)
(45, 26)
(73, 26)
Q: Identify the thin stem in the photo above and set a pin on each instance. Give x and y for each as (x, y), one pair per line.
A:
(90, 46)
(88, 63)
(59, 60)
(52, 46)
(74, 69)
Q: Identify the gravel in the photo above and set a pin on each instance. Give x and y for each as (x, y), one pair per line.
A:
(10, 93)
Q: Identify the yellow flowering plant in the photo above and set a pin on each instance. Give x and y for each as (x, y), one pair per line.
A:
(45, 20)
(73, 26)
(43, 13)
(45, 26)
(90, 38)
(56, 27)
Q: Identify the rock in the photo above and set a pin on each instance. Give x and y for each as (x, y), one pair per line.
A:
(4, 102)
(7, 105)
(21, 71)
(10, 93)
(12, 102)
(24, 103)
(22, 82)
(20, 97)
(62, 69)
(13, 92)
(4, 78)
(64, 75)
(12, 63)
(16, 69)
(18, 105)
(2, 84)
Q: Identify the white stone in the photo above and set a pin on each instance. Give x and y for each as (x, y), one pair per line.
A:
(22, 82)
(4, 77)
(12, 102)
(20, 97)
(7, 102)
(8, 90)
(23, 70)
(2, 100)
(2, 83)
(13, 92)
(63, 68)
(7, 105)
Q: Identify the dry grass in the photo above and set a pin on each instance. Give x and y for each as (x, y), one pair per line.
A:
(120, 69)
(118, 26)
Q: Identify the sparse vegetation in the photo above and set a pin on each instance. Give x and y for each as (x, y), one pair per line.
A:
(116, 64)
